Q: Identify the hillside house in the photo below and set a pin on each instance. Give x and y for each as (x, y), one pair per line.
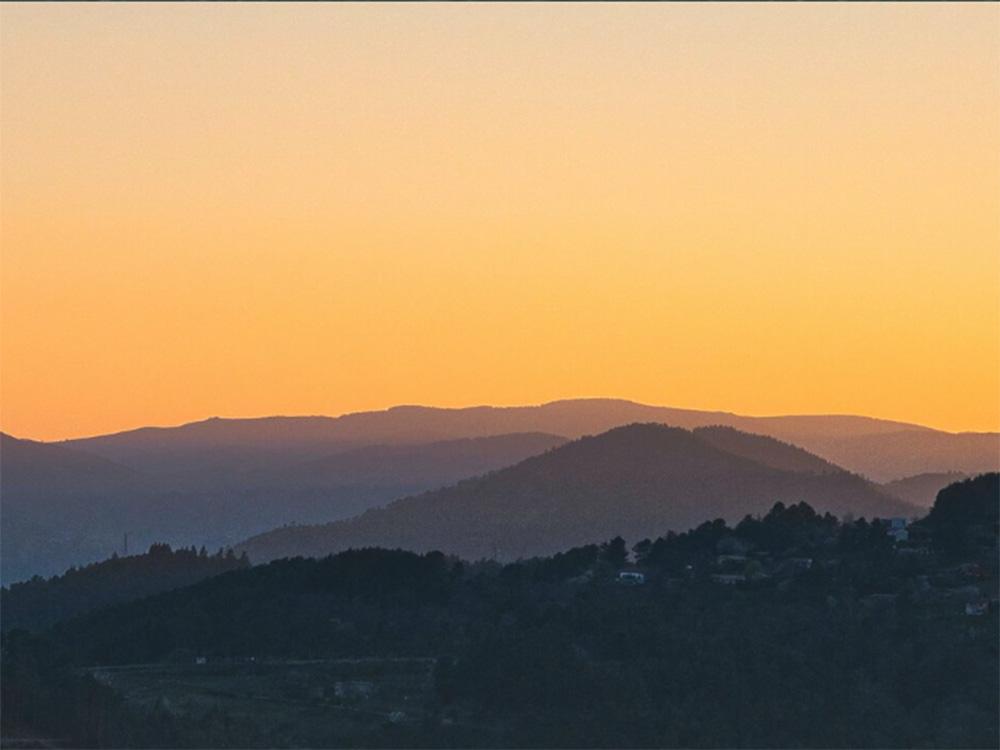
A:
(977, 608)
(732, 545)
(897, 529)
(631, 577)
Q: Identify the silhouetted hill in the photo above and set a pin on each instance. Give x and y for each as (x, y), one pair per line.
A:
(894, 455)
(922, 489)
(215, 446)
(636, 481)
(30, 462)
(49, 526)
(879, 449)
(219, 481)
(863, 646)
(965, 516)
(49, 494)
(39, 603)
(765, 450)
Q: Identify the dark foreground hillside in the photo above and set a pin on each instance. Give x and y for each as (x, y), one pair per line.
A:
(39, 603)
(788, 630)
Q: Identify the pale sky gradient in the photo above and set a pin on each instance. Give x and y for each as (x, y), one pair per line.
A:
(250, 209)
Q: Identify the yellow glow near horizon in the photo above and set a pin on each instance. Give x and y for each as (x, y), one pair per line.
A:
(229, 209)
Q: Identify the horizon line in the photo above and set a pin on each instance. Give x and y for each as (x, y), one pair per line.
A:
(497, 406)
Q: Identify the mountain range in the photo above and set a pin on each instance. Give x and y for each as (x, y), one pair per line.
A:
(64, 506)
(922, 489)
(881, 450)
(220, 481)
(636, 481)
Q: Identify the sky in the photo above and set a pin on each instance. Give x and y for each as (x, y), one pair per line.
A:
(252, 209)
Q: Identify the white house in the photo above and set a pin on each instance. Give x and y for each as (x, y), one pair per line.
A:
(976, 609)
(897, 529)
(631, 577)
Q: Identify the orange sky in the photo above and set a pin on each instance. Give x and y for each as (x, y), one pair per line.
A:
(248, 209)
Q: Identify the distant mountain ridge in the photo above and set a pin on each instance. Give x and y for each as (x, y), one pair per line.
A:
(421, 464)
(219, 481)
(637, 481)
(769, 452)
(32, 462)
(922, 489)
(64, 506)
(879, 449)
(39, 603)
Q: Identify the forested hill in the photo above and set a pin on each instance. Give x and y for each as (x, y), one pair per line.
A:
(764, 450)
(219, 481)
(39, 602)
(636, 481)
(787, 630)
